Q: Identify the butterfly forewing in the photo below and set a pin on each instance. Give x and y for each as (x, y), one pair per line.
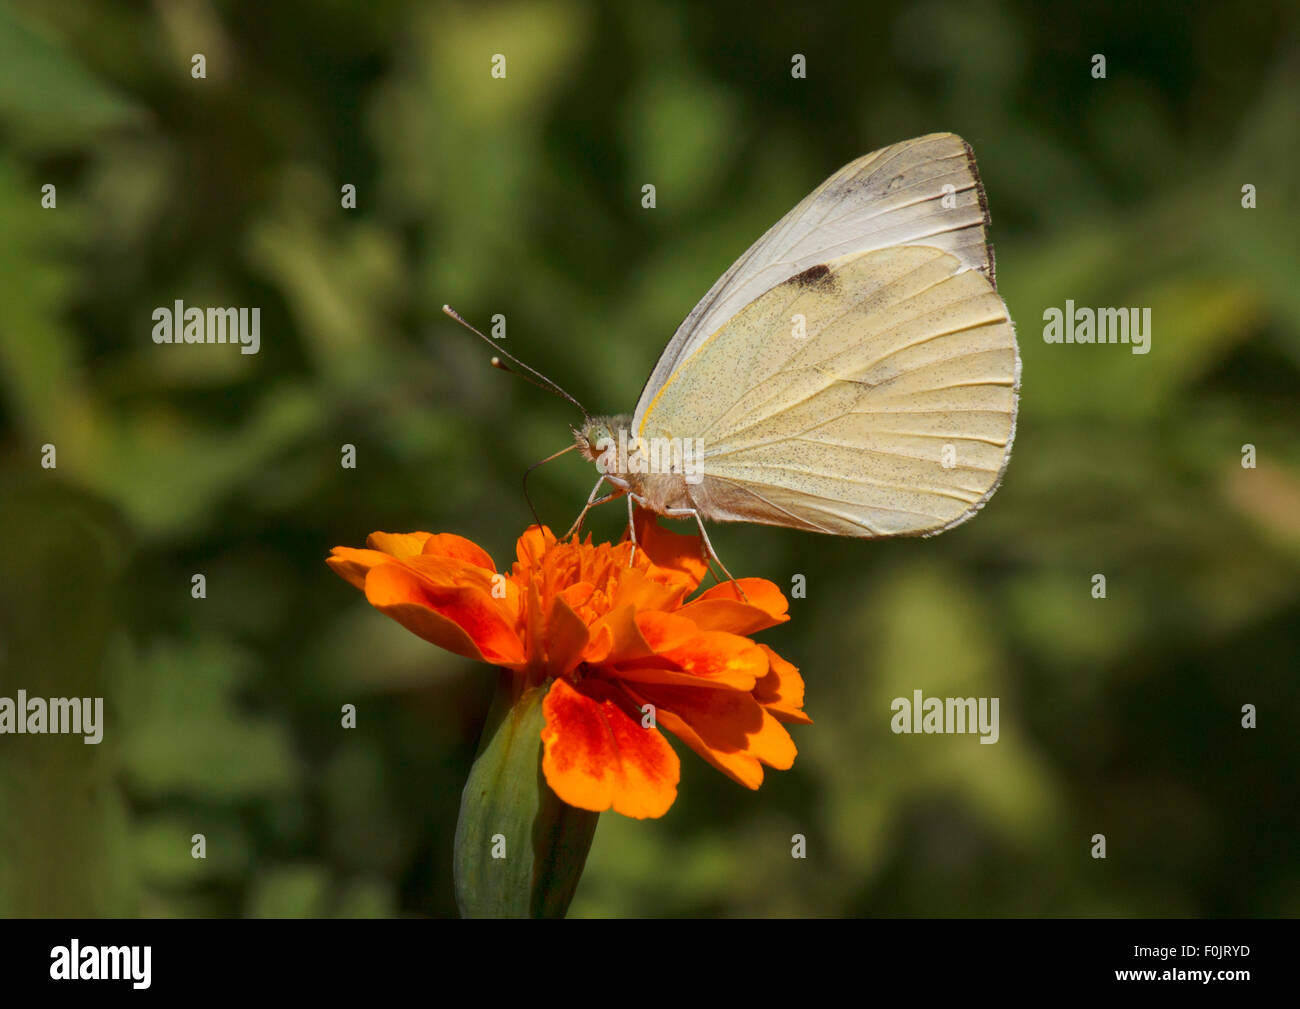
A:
(924, 191)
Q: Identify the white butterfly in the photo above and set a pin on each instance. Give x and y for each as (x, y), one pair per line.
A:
(855, 371)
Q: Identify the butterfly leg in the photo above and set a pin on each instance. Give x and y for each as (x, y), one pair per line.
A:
(682, 513)
(632, 499)
(592, 502)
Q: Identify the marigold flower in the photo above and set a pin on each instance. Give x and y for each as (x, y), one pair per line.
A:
(613, 637)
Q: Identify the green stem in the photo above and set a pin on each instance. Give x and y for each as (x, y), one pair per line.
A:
(520, 851)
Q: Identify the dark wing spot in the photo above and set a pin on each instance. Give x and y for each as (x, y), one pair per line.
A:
(819, 276)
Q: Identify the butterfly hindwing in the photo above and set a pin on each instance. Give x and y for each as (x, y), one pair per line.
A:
(871, 395)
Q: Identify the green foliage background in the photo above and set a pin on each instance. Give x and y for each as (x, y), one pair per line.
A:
(522, 197)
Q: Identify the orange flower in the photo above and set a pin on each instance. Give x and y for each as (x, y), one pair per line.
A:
(613, 638)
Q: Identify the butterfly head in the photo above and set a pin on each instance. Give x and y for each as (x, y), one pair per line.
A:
(601, 434)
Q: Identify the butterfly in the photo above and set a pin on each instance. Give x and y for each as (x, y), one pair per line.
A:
(855, 372)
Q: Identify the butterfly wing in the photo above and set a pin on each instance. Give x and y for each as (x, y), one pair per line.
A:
(873, 395)
(924, 191)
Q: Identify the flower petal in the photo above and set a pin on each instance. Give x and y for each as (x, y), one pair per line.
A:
(399, 544)
(722, 658)
(352, 564)
(675, 555)
(781, 690)
(642, 590)
(721, 608)
(615, 637)
(566, 638)
(531, 547)
(727, 728)
(664, 631)
(458, 547)
(578, 594)
(596, 757)
(461, 617)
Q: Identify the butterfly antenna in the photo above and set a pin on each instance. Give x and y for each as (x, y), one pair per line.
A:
(533, 375)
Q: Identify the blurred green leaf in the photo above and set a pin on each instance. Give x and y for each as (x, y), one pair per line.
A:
(47, 98)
